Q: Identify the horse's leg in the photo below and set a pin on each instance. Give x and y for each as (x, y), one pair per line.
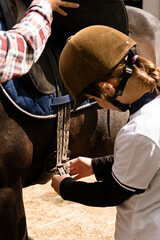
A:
(12, 216)
(15, 157)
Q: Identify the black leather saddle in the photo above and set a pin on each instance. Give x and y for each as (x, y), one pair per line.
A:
(45, 74)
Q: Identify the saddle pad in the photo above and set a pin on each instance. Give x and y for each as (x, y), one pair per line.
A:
(27, 99)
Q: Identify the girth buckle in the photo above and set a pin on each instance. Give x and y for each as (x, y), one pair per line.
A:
(62, 168)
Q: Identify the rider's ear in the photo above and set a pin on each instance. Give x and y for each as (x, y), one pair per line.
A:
(108, 88)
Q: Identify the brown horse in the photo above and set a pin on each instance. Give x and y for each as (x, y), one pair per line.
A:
(26, 142)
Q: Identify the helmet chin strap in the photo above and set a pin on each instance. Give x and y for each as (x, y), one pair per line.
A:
(119, 105)
(126, 75)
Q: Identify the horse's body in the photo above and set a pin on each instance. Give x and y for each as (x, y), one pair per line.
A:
(26, 142)
(145, 30)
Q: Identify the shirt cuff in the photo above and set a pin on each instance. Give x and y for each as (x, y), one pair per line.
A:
(43, 6)
(102, 166)
(63, 188)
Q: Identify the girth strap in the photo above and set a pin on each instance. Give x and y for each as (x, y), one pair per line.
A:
(63, 126)
(63, 121)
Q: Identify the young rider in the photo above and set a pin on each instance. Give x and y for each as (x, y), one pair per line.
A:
(21, 46)
(101, 63)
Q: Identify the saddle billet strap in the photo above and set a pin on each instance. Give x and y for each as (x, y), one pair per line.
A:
(67, 114)
(63, 125)
(61, 100)
(63, 121)
(59, 134)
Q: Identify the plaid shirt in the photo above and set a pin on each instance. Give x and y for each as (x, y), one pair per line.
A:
(21, 46)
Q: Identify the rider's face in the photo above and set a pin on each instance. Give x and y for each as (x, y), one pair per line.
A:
(109, 91)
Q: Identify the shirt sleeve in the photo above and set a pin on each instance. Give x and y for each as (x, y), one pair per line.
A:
(21, 46)
(102, 166)
(98, 194)
(108, 192)
(136, 160)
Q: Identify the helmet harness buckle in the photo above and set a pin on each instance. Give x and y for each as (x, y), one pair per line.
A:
(126, 75)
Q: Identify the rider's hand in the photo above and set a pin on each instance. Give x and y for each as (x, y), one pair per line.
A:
(56, 180)
(55, 4)
(81, 167)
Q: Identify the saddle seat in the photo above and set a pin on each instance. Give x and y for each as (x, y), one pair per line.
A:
(44, 74)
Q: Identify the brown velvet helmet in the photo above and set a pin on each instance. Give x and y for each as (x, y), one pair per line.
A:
(89, 55)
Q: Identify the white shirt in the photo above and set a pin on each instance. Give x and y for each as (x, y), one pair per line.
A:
(137, 166)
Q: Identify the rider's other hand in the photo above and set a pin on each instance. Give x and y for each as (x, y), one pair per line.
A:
(56, 180)
(55, 4)
(80, 167)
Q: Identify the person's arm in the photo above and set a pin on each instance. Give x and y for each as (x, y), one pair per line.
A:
(102, 166)
(109, 192)
(21, 46)
(99, 194)
(82, 167)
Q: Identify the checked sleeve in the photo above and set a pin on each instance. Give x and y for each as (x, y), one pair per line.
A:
(21, 46)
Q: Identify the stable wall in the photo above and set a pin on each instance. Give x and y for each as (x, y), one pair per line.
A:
(152, 6)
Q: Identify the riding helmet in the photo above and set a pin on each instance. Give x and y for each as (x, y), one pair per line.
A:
(89, 55)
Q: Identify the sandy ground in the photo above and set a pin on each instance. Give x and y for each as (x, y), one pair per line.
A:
(51, 218)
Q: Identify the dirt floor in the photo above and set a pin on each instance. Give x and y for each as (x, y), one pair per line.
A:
(51, 218)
